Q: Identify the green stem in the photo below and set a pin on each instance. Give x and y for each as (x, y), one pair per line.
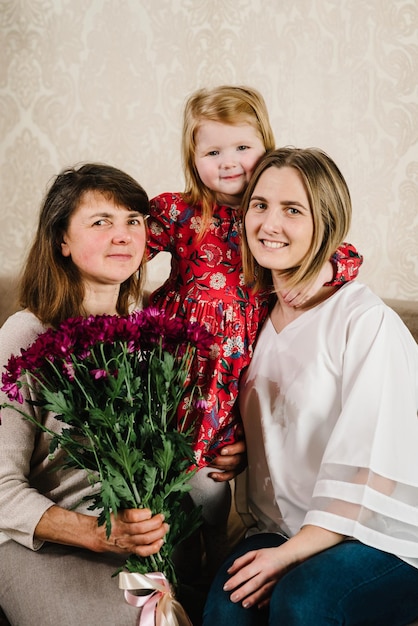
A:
(149, 387)
(136, 493)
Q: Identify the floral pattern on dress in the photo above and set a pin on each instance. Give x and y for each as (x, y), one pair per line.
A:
(206, 285)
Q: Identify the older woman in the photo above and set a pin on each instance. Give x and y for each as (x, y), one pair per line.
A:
(56, 563)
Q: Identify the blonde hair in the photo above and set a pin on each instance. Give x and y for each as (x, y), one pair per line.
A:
(229, 105)
(51, 286)
(329, 201)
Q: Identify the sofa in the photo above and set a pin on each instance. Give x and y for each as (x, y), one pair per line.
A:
(408, 311)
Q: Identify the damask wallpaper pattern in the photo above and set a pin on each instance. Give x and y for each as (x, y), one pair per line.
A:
(106, 80)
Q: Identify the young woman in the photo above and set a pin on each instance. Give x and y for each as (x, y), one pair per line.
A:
(329, 406)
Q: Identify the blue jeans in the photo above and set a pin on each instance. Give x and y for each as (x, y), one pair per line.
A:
(347, 584)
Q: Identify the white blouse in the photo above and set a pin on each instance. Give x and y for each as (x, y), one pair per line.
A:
(330, 414)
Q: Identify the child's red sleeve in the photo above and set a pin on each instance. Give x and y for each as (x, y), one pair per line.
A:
(346, 261)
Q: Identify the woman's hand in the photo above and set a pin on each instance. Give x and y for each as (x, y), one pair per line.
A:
(134, 531)
(254, 574)
(231, 461)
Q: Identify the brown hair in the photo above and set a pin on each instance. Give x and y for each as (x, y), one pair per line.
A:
(330, 203)
(51, 285)
(227, 104)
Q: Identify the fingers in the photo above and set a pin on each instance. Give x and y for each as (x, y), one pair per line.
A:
(137, 515)
(301, 294)
(296, 298)
(250, 587)
(252, 580)
(229, 472)
(147, 550)
(228, 462)
(239, 447)
(264, 603)
(238, 565)
(136, 531)
(221, 477)
(231, 460)
(260, 598)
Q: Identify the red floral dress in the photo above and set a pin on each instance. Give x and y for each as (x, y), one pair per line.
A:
(206, 285)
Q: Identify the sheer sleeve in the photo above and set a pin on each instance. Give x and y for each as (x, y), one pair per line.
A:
(346, 261)
(367, 487)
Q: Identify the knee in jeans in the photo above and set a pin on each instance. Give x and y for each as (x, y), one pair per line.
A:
(292, 603)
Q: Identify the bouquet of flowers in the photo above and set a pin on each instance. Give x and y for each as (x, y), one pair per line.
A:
(116, 383)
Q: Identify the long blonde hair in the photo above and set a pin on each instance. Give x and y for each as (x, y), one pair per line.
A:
(51, 285)
(229, 105)
(330, 203)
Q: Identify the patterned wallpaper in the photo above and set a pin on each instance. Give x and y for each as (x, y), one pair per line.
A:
(106, 80)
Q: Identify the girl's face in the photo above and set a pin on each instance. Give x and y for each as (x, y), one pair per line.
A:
(105, 241)
(225, 158)
(279, 223)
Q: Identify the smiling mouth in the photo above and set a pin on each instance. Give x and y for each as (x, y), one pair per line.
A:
(273, 244)
(232, 177)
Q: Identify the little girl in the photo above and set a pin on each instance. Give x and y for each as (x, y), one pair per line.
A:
(225, 132)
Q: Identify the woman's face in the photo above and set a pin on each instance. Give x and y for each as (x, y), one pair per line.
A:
(279, 223)
(105, 241)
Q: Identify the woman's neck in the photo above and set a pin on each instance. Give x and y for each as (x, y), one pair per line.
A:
(284, 313)
(101, 301)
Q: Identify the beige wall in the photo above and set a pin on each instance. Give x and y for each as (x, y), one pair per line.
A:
(106, 80)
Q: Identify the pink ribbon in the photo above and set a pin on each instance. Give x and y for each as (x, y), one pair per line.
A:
(158, 606)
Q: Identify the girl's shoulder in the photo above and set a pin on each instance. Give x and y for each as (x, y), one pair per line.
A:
(171, 210)
(169, 199)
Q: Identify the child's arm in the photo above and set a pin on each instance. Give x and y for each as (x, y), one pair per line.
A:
(161, 225)
(343, 266)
